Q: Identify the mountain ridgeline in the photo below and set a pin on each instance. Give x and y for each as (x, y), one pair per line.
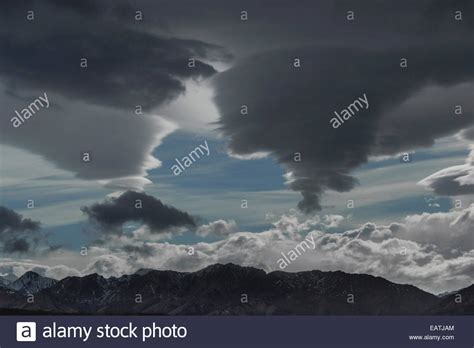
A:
(227, 290)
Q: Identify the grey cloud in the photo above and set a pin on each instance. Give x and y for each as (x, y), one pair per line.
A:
(290, 109)
(108, 265)
(218, 228)
(93, 110)
(11, 220)
(126, 66)
(18, 234)
(16, 245)
(140, 207)
(448, 233)
(283, 23)
(18, 268)
(416, 250)
(427, 114)
(447, 185)
(144, 62)
(453, 181)
(120, 144)
(143, 250)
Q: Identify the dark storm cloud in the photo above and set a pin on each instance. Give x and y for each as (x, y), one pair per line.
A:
(119, 74)
(11, 220)
(283, 23)
(448, 186)
(126, 67)
(16, 245)
(140, 207)
(456, 180)
(88, 7)
(145, 63)
(290, 109)
(17, 234)
(93, 110)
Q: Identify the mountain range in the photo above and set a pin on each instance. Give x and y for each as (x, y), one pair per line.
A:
(7, 278)
(227, 290)
(30, 283)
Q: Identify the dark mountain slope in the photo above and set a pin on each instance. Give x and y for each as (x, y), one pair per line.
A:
(233, 290)
(459, 302)
(7, 279)
(31, 282)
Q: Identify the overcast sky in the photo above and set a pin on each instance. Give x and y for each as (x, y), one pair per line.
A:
(138, 85)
